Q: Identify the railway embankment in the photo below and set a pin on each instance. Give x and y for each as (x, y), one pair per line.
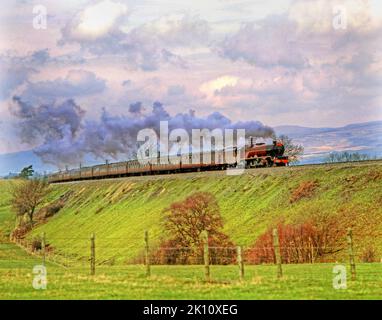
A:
(118, 211)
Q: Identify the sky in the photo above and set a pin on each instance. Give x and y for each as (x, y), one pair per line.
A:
(95, 64)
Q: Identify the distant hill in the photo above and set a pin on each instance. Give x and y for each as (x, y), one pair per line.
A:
(318, 142)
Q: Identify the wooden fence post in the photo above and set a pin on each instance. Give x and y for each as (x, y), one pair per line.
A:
(240, 263)
(92, 254)
(311, 250)
(147, 254)
(43, 244)
(206, 256)
(276, 247)
(351, 254)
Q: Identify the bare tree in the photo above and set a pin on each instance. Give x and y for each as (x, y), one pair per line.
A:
(27, 195)
(187, 219)
(346, 157)
(292, 150)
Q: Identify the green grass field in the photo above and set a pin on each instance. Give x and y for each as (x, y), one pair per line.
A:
(118, 211)
(181, 282)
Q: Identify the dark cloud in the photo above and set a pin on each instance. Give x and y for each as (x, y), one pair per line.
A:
(268, 43)
(15, 70)
(126, 83)
(53, 127)
(76, 83)
(12, 77)
(40, 56)
(136, 108)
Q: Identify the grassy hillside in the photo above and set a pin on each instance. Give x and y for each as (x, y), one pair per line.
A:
(7, 219)
(119, 210)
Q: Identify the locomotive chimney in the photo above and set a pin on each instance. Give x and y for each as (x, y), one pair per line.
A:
(251, 141)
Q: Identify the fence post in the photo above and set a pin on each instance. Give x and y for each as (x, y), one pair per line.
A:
(43, 244)
(311, 250)
(206, 256)
(147, 254)
(92, 254)
(240, 263)
(276, 247)
(351, 254)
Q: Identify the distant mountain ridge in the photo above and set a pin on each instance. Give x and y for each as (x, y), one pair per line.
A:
(299, 130)
(319, 142)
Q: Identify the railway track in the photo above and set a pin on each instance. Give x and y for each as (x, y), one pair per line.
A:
(252, 172)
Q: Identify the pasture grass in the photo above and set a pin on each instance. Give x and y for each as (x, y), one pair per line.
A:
(308, 281)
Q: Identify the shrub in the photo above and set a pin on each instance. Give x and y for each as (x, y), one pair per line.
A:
(304, 190)
(21, 230)
(36, 245)
(368, 255)
(309, 241)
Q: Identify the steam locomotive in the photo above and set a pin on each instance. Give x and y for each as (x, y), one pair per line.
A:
(254, 155)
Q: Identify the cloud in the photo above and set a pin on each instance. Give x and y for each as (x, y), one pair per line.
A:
(97, 21)
(272, 42)
(176, 90)
(178, 30)
(293, 67)
(145, 47)
(299, 62)
(317, 17)
(16, 70)
(214, 86)
(11, 78)
(76, 83)
(305, 35)
(136, 108)
(126, 83)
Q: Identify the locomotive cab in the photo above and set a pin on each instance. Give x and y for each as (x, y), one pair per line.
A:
(278, 148)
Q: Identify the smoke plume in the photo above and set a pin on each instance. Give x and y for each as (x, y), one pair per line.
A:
(63, 136)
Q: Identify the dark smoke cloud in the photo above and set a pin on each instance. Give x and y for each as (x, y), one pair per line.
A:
(136, 108)
(55, 128)
(64, 137)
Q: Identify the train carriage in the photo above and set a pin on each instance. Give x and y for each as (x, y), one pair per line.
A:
(86, 172)
(135, 167)
(117, 169)
(100, 171)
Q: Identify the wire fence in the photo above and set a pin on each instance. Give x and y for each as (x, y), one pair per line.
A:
(92, 255)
